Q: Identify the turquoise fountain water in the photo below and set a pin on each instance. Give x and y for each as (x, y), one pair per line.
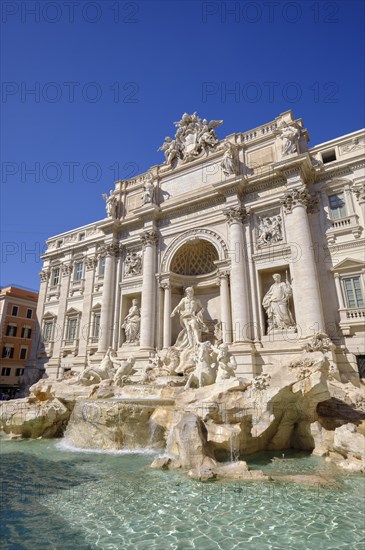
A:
(56, 498)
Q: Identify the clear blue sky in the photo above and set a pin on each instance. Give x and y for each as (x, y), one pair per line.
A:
(111, 77)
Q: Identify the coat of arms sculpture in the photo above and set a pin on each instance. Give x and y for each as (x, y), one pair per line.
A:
(194, 137)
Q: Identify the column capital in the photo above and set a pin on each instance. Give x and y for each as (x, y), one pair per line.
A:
(298, 197)
(235, 214)
(359, 192)
(166, 285)
(149, 238)
(109, 249)
(222, 274)
(44, 275)
(66, 269)
(90, 262)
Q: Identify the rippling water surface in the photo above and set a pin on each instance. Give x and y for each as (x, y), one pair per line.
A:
(57, 498)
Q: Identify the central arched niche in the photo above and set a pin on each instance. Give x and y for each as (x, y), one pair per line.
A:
(194, 264)
(196, 257)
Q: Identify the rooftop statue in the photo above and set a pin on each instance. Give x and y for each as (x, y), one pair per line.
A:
(194, 137)
(289, 138)
(111, 204)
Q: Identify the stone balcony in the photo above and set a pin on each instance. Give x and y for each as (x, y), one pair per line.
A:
(342, 226)
(70, 346)
(352, 319)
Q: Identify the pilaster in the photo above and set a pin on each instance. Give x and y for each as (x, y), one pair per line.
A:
(149, 240)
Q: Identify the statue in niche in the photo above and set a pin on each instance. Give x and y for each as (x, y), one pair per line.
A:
(275, 303)
(289, 138)
(132, 323)
(229, 160)
(148, 190)
(269, 230)
(111, 204)
(191, 311)
(133, 264)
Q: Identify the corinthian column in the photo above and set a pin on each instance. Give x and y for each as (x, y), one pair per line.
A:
(147, 338)
(225, 307)
(306, 293)
(166, 314)
(239, 291)
(106, 313)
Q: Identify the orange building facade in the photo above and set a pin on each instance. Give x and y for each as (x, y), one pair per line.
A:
(17, 328)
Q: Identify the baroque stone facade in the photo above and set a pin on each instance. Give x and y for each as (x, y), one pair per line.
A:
(226, 217)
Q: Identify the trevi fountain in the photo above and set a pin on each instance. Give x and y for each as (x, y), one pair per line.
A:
(176, 429)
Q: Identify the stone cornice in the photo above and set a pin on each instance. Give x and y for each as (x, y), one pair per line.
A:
(358, 243)
(183, 210)
(344, 169)
(296, 164)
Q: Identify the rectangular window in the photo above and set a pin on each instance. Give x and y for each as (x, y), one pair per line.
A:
(337, 206)
(329, 156)
(11, 330)
(19, 372)
(14, 311)
(353, 293)
(5, 371)
(102, 266)
(55, 276)
(29, 313)
(71, 329)
(78, 271)
(59, 243)
(47, 331)
(23, 353)
(26, 332)
(360, 359)
(81, 236)
(8, 352)
(96, 326)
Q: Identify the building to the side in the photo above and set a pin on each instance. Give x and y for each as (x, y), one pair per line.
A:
(18, 309)
(223, 217)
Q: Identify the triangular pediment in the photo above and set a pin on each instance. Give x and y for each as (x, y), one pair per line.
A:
(49, 316)
(96, 307)
(73, 311)
(348, 264)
